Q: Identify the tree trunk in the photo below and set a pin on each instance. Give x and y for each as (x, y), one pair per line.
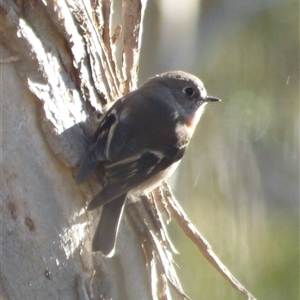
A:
(58, 74)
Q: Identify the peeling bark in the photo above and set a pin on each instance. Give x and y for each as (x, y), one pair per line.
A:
(59, 73)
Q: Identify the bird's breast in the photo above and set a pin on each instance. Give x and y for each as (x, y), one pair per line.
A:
(153, 182)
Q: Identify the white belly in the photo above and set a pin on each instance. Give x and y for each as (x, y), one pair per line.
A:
(153, 182)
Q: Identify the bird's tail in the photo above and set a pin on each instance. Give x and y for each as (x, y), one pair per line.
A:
(107, 230)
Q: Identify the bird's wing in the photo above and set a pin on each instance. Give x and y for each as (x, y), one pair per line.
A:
(131, 172)
(129, 121)
(97, 150)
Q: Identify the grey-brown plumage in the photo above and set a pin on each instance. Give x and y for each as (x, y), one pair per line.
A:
(139, 143)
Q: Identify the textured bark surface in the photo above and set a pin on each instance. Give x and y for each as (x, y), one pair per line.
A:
(58, 67)
(59, 73)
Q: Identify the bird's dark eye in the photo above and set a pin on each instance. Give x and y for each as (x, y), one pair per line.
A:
(189, 91)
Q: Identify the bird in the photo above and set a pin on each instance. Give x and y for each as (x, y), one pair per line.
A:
(138, 144)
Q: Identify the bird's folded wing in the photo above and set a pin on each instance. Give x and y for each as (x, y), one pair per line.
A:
(97, 150)
(124, 175)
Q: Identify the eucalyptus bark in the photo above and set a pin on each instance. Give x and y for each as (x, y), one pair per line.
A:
(59, 73)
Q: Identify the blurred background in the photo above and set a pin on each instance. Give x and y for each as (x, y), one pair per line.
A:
(239, 181)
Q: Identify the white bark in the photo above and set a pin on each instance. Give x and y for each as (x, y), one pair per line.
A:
(58, 68)
(46, 233)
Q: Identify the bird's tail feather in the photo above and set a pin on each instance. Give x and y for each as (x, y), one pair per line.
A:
(107, 230)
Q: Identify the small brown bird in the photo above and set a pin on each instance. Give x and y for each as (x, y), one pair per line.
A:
(139, 143)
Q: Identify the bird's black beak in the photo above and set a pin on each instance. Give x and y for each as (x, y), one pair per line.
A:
(212, 99)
